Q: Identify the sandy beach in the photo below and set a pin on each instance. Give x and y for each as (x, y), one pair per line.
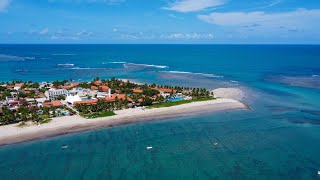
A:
(10, 134)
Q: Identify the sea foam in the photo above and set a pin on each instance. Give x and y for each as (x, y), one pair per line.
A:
(65, 64)
(87, 68)
(147, 65)
(192, 73)
(63, 54)
(4, 57)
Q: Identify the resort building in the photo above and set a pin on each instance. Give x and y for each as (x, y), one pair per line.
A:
(52, 104)
(94, 88)
(88, 102)
(18, 86)
(106, 93)
(53, 94)
(165, 92)
(70, 99)
(97, 83)
(136, 90)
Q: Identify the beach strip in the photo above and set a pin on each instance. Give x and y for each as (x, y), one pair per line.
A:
(10, 134)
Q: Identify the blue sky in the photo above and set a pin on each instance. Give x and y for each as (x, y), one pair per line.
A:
(160, 21)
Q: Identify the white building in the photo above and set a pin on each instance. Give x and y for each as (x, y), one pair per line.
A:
(82, 92)
(53, 94)
(72, 98)
(104, 94)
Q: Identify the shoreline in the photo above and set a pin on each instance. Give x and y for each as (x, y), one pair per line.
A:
(11, 134)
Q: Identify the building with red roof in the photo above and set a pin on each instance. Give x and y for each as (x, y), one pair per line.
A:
(97, 83)
(165, 90)
(104, 88)
(136, 90)
(94, 88)
(88, 102)
(56, 103)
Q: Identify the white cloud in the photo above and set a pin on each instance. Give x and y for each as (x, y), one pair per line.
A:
(301, 18)
(193, 5)
(44, 31)
(61, 35)
(4, 4)
(37, 31)
(84, 33)
(187, 36)
(166, 36)
(67, 35)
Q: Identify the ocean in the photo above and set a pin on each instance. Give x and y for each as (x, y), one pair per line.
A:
(279, 138)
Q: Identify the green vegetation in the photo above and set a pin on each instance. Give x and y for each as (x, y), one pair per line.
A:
(44, 121)
(98, 114)
(95, 108)
(59, 83)
(176, 103)
(22, 125)
(126, 94)
(61, 97)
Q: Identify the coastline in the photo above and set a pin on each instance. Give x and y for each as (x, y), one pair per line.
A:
(11, 134)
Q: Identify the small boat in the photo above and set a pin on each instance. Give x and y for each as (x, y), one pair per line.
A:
(215, 144)
(64, 147)
(149, 147)
(318, 172)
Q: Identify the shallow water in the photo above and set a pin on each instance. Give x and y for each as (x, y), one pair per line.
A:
(278, 139)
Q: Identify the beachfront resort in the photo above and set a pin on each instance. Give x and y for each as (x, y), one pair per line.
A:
(34, 102)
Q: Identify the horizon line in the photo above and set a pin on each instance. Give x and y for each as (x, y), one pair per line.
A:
(159, 44)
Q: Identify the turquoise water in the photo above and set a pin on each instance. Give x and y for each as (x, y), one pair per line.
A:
(84, 99)
(174, 99)
(278, 139)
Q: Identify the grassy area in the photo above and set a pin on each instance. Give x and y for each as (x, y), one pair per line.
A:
(176, 103)
(22, 125)
(98, 114)
(44, 121)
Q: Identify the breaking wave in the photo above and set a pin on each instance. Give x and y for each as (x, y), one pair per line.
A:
(4, 57)
(63, 54)
(192, 73)
(117, 62)
(145, 65)
(30, 58)
(65, 65)
(88, 68)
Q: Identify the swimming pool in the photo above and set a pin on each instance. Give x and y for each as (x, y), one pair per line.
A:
(175, 99)
(85, 98)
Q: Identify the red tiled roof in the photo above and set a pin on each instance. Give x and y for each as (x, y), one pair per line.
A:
(75, 84)
(119, 96)
(94, 101)
(105, 88)
(97, 83)
(137, 90)
(165, 90)
(19, 85)
(110, 99)
(66, 87)
(56, 103)
(94, 88)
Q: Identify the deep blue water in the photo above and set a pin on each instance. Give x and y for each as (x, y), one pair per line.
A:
(278, 139)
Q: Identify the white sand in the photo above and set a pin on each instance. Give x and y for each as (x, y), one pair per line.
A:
(12, 134)
(232, 93)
